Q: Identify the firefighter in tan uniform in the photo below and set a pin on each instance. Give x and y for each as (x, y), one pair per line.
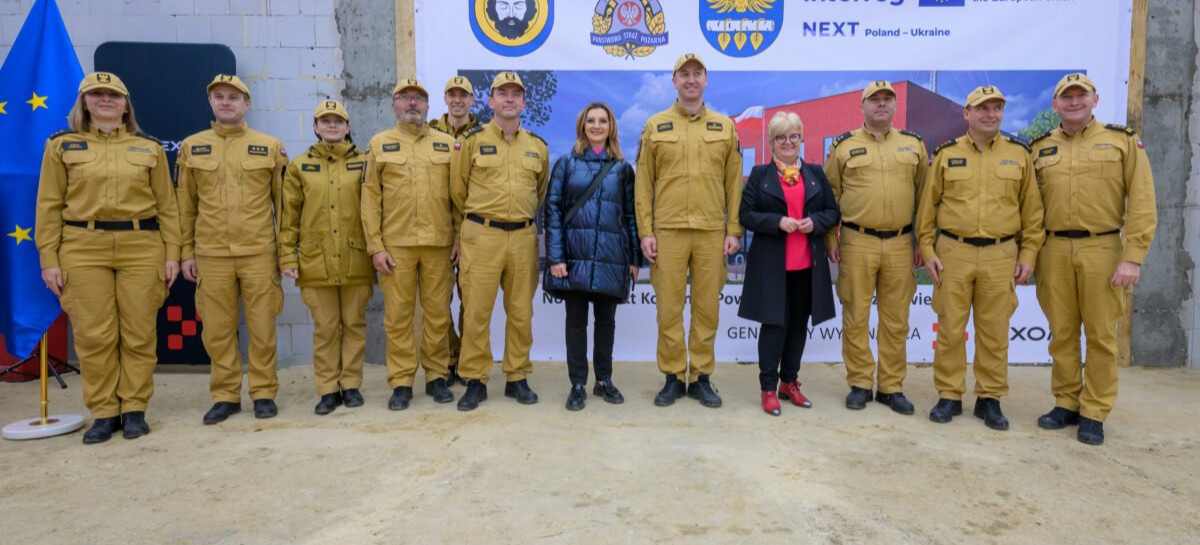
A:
(322, 247)
(229, 180)
(876, 173)
(457, 121)
(688, 189)
(107, 233)
(1098, 193)
(407, 217)
(979, 225)
(497, 180)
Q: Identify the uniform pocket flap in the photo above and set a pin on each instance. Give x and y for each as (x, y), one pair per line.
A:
(1104, 155)
(393, 158)
(142, 159)
(955, 174)
(1009, 172)
(74, 157)
(439, 158)
(531, 164)
(358, 243)
(907, 158)
(256, 164)
(859, 161)
(488, 161)
(1043, 162)
(716, 137)
(664, 137)
(202, 164)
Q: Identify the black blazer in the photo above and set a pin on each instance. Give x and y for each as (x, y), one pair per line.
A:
(763, 205)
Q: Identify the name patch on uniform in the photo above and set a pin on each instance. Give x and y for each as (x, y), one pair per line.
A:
(136, 149)
(905, 149)
(256, 150)
(306, 167)
(714, 126)
(533, 154)
(201, 150)
(1046, 152)
(487, 150)
(1009, 163)
(441, 146)
(1101, 145)
(664, 127)
(357, 165)
(394, 146)
(858, 151)
(956, 162)
(74, 146)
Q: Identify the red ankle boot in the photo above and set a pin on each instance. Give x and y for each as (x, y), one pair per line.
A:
(791, 390)
(770, 403)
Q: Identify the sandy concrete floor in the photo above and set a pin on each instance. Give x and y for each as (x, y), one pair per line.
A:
(633, 473)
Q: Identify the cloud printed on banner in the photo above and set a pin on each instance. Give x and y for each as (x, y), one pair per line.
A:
(655, 94)
(842, 86)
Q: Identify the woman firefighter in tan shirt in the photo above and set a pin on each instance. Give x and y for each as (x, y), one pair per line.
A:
(321, 245)
(108, 236)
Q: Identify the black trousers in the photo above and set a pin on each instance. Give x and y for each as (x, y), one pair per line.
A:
(780, 347)
(605, 310)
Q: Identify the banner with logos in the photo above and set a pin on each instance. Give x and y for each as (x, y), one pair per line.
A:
(810, 57)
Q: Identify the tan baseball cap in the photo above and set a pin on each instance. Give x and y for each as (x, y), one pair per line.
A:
(685, 58)
(984, 94)
(459, 82)
(875, 87)
(1077, 79)
(505, 78)
(409, 83)
(102, 80)
(230, 80)
(331, 107)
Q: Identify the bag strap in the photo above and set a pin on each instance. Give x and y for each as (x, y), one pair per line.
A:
(587, 194)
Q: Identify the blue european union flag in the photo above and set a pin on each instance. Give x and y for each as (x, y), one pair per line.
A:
(38, 85)
(941, 3)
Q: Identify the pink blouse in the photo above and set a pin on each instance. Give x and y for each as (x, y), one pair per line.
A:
(798, 254)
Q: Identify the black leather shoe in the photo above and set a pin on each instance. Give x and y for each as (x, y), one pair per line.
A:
(221, 411)
(476, 393)
(606, 390)
(989, 410)
(101, 430)
(133, 424)
(671, 391)
(328, 403)
(353, 398)
(576, 398)
(857, 398)
(520, 390)
(265, 408)
(1058, 418)
(704, 391)
(896, 401)
(1090, 431)
(945, 410)
(401, 396)
(452, 376)
(439, 391)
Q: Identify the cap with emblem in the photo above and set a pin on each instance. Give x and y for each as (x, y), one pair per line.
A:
(459, 82)
(409, 83)
(505, 78)
(1074, 80)
(875, 87)
(102, 80)
(688, 57)
(984, 94)
(230, 80)
(331, 107)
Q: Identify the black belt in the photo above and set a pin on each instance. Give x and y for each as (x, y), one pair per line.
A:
(148, 224)
(978, 241)
(877, 233)
(1082, 234)
(502, 225)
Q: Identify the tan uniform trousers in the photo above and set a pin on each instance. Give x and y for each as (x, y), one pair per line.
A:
(424, 270)
(114, 284)
(339, 335)
(494, 259)
(978, 278)
(222, 280)
(702, 254)
(882, 270)
(1074, 287)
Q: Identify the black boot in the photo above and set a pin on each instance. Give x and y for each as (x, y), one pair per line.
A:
(673, 389)
(1090, 431)
(133, 424)
(221, 411)
(945, 410)
(265, 408)
(857, 398)
(606, 390)
(704, 391)
(989, 410)
(520, 390)
(353, 398)
(476, 393)
(439, 391)
(328, 403)
(401, 396)
(576, 398)
(101, 430)
(1058, 418)
(896, 401)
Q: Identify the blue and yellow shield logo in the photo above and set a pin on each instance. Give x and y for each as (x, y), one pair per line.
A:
(511, 27)
(741, 28)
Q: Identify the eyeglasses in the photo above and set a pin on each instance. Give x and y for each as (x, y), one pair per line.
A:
(411, 98)
(793, 138)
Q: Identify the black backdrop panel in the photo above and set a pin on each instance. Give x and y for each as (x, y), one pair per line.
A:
(167, 85)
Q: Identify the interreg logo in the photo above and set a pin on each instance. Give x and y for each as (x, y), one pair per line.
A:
(629, 28)
(511, 27)
(741, 28)
(941, 3)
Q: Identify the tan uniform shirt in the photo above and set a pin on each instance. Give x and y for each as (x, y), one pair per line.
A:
(877, 181)
(91, 176)
(985, 193)
(689, 173)
(443, 124)
(406, 192)
(1098, 180)
(321, 230)
(229, 191)
(497, 179)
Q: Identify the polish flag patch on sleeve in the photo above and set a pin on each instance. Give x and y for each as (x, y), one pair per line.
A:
(458, 146)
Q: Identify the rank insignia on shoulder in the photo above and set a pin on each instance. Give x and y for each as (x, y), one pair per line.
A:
(1019, 142)
(201, 150)
(910, 133)
(441, 146)
(945, 145)
(74, 146)
(956, 162)
(487, 150)
(356, 165)
(715, 126)
(394, 146)
(1046, 152)
(1040, 137)
(840, 138)
(1122, 128)
(306, 167)
(662, 127)
(858, 151)
(256, 150)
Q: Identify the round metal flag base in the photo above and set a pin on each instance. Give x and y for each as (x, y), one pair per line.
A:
(32, 428)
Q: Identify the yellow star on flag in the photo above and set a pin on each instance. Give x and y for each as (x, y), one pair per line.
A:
(21, 234)
(2, 105)
(37, 102)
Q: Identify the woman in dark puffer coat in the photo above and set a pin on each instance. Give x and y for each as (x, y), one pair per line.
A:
(591, 246)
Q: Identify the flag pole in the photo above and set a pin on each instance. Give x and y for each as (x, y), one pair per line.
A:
(44, 425)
